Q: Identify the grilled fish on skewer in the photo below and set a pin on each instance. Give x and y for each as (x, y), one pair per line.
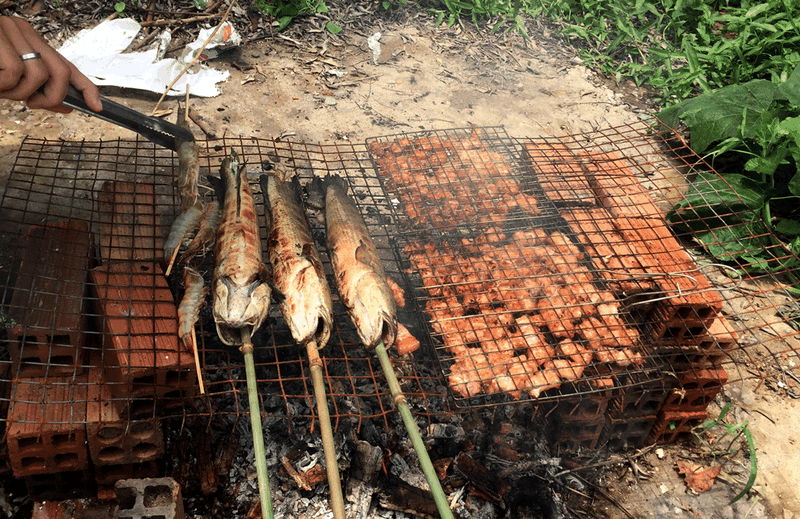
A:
(357, 268)
(241, 292)
(297, 271)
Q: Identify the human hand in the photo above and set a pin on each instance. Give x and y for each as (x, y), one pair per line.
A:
(43, 67)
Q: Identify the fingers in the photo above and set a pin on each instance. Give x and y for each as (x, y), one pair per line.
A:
(41, 82)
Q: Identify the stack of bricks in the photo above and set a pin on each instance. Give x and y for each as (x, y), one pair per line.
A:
(82, 416)
(574, 425)
(149, 498)
(637, 257)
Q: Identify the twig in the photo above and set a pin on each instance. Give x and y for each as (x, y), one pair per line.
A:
(198, 119)
(164, 23)
(194, 60)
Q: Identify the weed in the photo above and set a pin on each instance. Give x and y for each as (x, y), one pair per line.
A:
(287, 10)
(734, 432)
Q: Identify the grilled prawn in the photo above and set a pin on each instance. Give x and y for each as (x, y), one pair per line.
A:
(241, 291)
(188, 167)
(297, 272)
(357, 268)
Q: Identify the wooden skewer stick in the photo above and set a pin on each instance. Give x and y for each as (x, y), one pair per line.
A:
(331, 464)
(172, 260)
(255, 424)
(197, 363)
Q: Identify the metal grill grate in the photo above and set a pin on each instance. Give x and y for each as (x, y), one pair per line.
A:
(489, 235)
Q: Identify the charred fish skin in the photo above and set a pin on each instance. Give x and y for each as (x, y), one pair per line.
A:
(297, 271)
(241, 289)
(357, 267)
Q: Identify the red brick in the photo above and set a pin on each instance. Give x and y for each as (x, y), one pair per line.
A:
(672, 426)
(723, 333)
(695, 390)
(574, 435)
(46, 426)
(628, 432)
(559, 172)
(142, 354)
(47, 304)
(144, 498)
(114, 439)
(617, 187)
(128, 229)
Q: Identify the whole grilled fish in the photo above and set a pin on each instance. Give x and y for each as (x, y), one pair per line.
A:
(357, 268)
(241, 290)
(297, 272)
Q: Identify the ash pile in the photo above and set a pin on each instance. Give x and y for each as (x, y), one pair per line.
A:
(557, 316)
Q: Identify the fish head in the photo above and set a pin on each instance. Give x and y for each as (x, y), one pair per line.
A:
(237, 306)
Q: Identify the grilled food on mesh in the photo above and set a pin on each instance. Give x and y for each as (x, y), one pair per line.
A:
(297, 271)
(241, 291)
(357, 268)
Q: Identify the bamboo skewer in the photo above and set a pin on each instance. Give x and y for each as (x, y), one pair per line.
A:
(197, 363)
(255, 424)
(401, 403)
(326, 431)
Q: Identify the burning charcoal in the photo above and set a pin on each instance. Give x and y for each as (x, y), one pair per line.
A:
(360, 486)
(489, 485)
(401, 496)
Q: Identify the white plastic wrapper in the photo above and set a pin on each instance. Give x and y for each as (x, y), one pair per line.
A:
(98, 54)
(374, 44)
(226, 38)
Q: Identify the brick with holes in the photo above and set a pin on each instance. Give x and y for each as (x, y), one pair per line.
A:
(46, 425)
(113, 437)
(47, 306)
(143, 357)
(143, 498)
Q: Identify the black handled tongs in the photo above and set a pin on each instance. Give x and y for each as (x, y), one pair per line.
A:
(154, 129)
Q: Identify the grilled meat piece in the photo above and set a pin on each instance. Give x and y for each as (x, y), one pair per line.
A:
(241, 289)
(358, 272)
(297, 271)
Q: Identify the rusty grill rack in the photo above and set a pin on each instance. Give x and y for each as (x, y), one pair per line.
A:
(584, 209)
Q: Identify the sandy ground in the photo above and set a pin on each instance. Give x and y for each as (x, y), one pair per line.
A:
(439, 78)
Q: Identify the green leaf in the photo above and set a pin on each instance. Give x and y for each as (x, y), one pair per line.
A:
(119, 7)
(333, 28)
(791, 88)
(794, 184)
(788, 227)
(719, 115)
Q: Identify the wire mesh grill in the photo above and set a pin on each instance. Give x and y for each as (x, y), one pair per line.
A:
(107, 208)
(536, 270)
(544, 268)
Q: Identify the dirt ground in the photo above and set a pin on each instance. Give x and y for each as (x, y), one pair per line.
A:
(430, 77)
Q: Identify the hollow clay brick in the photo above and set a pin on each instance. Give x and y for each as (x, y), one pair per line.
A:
(695, 390)
(113, 438)
(46, 426)
(628, 432)
(142, 354)
(671, 426)
(559, 172)
(128, 229)
(47, 304)
(147, 498)
(617, 187)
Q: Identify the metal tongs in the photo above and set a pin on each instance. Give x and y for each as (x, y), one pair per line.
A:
(153, 129)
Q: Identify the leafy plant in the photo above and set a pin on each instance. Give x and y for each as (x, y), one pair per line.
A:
(287, 10)
(732, 431)
(752, 213)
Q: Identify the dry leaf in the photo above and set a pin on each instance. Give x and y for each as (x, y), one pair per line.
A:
(698, 478)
